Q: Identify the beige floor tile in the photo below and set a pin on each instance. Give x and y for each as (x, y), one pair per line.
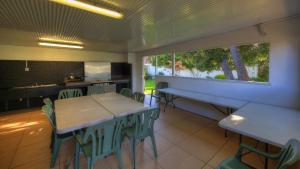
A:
(295, 166)
(113, 162)
(34, 152)
(213, 134)
(173, 117)
(208, 167)
(228, 150)
(12, 134)
(200, 148)
(189, 125)
(6, 159)
(176, 158)
(162, 145)
(36, 135)
(173, 134)
(9, 144)
(160, 124)
(42, 164)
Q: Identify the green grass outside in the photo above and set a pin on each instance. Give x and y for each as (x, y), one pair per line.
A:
(149, 85)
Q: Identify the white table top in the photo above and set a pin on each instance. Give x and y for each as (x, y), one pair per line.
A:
(266, 123)
(76, 113)
(119, 105)
(212, 99)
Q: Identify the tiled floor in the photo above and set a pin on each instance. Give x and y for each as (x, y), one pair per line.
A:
(184, 141)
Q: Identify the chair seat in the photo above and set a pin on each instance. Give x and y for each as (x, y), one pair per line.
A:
(129, 132)
(232, 163)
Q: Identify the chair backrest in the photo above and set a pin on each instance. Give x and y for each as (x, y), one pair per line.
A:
(162, 85)
(47, 101)
(289, 155)
(110, 88)
(105, 137)
(143, 122)
(48, 110)
(69, 93)
(96, 89)
(139, 97)
(126, 92)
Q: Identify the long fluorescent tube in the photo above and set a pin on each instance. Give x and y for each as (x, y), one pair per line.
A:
(60, 45)
(90, 8)
(59, 40)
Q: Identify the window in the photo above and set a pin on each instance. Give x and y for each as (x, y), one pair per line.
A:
(246, 63)
(158, 65)
(164, 65)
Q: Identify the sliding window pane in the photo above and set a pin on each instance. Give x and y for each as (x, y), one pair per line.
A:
(164, 65)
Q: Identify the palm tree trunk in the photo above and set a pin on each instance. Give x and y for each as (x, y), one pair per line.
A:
(240, 66)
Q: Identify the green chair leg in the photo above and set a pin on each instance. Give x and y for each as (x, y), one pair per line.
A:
(119, 158)
(90, 163)
(153, 144)
(133, 142)
(77, 156)
(57, 145)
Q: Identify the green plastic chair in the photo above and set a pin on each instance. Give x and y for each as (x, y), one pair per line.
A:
(110, 88)
(96, 89)
(139, 97)
(99, 141)
(126, 92)
(57, 139)
(47, 101)
(140, 126)
(69, 93)
(48, 110)
(289, 154)
(156, 94)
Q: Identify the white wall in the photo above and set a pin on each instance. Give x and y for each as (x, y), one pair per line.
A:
(8, 52)
(283, 89)
(137, 72)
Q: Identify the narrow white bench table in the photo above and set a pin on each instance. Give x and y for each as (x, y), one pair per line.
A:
(203, 97)
(269, 124)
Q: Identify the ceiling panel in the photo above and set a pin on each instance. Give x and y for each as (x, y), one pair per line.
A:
(147, 23)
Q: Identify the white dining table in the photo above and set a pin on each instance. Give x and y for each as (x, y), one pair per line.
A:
(119, 105)
(267, 123)
(76, 113)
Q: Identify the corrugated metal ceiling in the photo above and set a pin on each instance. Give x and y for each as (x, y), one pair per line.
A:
(147, 23)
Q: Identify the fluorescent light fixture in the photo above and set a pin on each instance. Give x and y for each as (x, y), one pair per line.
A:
(60, 45)
(59, 40)
(90, 8)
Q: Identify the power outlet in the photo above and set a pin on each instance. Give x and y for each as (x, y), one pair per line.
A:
(27, 69)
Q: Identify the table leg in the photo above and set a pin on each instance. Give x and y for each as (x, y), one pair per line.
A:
(266, 159)
(241, 138)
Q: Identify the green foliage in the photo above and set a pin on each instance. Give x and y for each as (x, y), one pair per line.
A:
(149, 85)
(211, 59)
(220, 76)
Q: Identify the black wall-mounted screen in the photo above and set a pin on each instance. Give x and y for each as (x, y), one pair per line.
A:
(13, 74)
